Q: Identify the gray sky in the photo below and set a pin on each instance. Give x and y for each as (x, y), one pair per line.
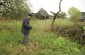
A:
(52, 5)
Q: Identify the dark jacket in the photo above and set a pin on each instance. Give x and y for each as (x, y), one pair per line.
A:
(25, 26)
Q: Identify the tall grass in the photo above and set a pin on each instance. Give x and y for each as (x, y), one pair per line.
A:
(40, 42)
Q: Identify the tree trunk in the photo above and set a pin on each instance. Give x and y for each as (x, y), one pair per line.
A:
(55, 15)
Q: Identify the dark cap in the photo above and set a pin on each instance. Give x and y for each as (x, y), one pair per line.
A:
(30, 14)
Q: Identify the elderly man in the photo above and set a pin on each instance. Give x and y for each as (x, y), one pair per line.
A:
(26, 28)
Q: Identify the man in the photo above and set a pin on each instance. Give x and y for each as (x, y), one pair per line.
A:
(26, 28)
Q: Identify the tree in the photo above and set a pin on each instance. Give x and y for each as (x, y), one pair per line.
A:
(56, 14)
(74, 14)
(14, 8)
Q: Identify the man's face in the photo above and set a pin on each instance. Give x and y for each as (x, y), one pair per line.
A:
(29, 17)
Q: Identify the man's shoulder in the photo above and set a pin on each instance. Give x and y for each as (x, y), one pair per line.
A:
(25, 18)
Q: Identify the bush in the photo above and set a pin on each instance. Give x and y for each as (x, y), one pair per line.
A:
(74, 14)
(65, 47)
(73, 31)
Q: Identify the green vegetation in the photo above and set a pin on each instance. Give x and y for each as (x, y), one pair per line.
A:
(41, 41)
(74, 14)
(14, 9)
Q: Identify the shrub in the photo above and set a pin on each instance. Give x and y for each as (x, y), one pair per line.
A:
(74, 14)
(65, 47)
(73, 31)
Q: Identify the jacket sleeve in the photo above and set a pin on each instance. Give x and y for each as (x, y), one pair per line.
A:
(27, 25)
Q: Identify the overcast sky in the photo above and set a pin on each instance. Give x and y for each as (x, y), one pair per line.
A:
(52, 5)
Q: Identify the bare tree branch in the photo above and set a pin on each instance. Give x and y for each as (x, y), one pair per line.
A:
(52, 12)
(56, 14)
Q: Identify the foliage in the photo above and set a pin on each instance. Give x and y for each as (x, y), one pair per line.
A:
(40, 42)
(14, 9)
(64, 46)
(74, 14)
(69, 29)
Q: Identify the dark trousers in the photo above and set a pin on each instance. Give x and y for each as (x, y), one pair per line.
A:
(25, 40)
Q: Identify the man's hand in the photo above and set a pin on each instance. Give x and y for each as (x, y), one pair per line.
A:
(30, 27)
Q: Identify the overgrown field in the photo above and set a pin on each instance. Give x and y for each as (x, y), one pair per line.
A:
(41, 41)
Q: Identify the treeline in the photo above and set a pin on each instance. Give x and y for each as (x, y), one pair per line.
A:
(13, 9)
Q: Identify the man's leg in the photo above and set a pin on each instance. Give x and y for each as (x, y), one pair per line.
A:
(25, 41)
